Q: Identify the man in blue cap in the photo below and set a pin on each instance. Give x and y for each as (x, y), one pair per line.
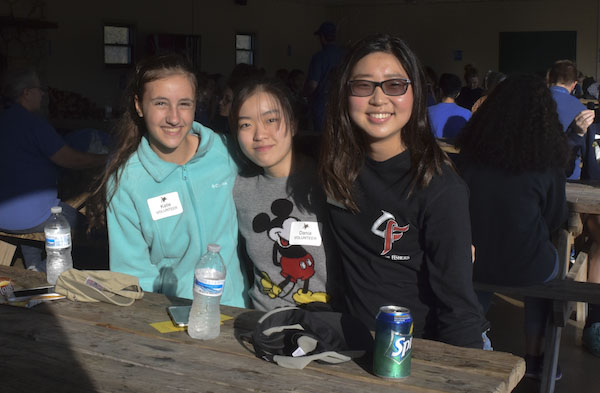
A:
(321, 65)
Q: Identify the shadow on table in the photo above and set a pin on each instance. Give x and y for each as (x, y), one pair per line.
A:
(244, 325)
(36, 353)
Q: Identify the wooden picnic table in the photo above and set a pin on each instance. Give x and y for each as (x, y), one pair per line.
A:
(98, 347)
(583, 196)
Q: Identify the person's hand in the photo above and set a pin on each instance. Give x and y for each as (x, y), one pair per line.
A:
(472, 253)
(583, 120)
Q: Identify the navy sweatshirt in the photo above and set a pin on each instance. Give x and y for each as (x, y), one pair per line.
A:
(513, 217)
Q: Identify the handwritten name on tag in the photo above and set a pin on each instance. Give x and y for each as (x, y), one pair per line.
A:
(305, 233)
(164, 206)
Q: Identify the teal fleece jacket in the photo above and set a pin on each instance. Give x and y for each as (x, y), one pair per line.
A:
(163, 215)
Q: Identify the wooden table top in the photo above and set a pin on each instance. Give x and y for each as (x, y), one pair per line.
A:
(97, 347)
(583, 196)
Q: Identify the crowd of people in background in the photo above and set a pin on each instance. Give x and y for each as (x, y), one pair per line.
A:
(396, 219)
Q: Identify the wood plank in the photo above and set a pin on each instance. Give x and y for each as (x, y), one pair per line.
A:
(583, 197)
(145, 362)
(557, 289)
(448, 147)
(7, 253)
(36, 236)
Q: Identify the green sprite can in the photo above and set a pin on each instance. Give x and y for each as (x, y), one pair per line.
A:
(393, 342)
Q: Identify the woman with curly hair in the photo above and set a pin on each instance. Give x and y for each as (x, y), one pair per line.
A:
(513, 158)
(389, 187)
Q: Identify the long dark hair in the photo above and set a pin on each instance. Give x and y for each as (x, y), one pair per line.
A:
(344, 144)
(245, 90)
(131, 128)
(516, 128)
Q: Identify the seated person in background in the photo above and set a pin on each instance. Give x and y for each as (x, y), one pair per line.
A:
(591, 171)
(491, 80)
(447, 118)
(562, 79)
(219, 123)
(30, 154)
(206, 100)
(576, 121)
(399, 212)
(167, 191)
(239, 74)
(432, 87)
(512, 156)
(590, 89)
(471, 92)
(281, 207)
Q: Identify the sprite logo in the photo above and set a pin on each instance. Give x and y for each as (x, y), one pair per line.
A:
(400, 348)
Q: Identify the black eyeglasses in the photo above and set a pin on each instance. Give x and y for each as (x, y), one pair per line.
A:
(391, 87)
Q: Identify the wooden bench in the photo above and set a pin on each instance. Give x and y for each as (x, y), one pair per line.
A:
(10, 241)
(564, 292)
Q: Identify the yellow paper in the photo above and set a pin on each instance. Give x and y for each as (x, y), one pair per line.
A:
(225, 318)
(168, 327)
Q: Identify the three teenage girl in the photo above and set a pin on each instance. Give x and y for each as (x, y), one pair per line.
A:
(399, 212)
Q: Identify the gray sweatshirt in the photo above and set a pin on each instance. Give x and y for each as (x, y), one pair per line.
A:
(285, 235)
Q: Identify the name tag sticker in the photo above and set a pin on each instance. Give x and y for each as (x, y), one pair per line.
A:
(164, 206)
(305, 233)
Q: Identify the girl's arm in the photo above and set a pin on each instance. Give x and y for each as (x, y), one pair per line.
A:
(448, 256)
(129, 251)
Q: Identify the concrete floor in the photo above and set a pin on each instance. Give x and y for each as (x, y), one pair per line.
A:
(581, 369)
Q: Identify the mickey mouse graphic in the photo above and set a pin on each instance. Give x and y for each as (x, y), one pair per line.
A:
(295, 262)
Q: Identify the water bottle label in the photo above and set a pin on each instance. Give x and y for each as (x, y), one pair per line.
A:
(58, 241)
(209, 287)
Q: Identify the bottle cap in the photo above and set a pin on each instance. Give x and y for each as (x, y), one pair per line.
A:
(212, 247)
(56, 210)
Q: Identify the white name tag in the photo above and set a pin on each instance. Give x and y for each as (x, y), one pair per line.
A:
(164, 206)
(305, 233)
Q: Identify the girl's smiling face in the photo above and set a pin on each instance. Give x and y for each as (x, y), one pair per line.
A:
(263, 134)
(379, 116)
(167, 107)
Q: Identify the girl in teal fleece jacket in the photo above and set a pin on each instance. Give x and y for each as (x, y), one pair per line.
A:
(168, 187)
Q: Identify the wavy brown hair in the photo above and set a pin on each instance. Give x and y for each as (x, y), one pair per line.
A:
(516, 129)
(131, 128)
(345, 145)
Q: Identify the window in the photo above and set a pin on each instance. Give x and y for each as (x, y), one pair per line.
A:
(118, 45)
(244, 48)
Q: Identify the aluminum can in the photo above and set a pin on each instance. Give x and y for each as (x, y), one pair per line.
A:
(393, 342)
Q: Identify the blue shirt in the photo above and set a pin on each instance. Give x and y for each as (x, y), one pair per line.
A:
(447, 119)
(567, 107)
(28, 175)
(320, 66)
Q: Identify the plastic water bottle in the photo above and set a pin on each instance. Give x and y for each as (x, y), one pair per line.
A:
(209, 282)
(58, 245)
